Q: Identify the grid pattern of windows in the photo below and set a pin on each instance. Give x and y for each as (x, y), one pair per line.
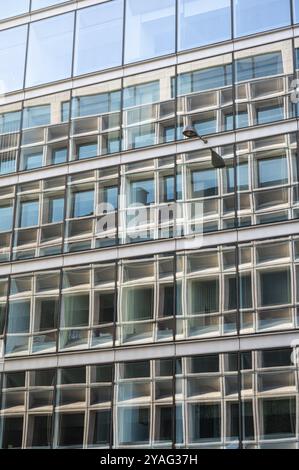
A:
(149, 109)
(150, 200)
(193, 295)
(134, 404)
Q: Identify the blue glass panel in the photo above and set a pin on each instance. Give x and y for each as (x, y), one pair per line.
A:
(12, 58)
(6, 215)
(29, 214)
(83, 203)
(101, 25)
(50, 49)
(272, 171)
(253, 16)
(197, 20)
(204, 183)
(150, 29)
(143, 192)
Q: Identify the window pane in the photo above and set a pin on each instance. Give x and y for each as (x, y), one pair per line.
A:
(100, 25)
(12, 432)
(272, 171)
(29, 214)
(6, 215)
(143, 192)
(13, 8)
(75, 310)
(197, 21)
(56, 210)
(71, 430)
(12, 58)
(87, 150)
(133, 425)
(204, 183)
(39, 431)
(150, 29)
(50, 44)
(275, 287)
(19, 317)
(204, 422)
(35, 116)
(279, 418)
(266, 114)
(296, 10)
(252, 16)
(83, 204)
(100, 427)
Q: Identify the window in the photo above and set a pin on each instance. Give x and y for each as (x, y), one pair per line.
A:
(143, 192)
(247, 418)
(50, 44)
(83, 204)
(205, 296)
(205, 79)
(133, 425)
(253, 16)
(100, 427)
(279, 418)
(204, 422)
(101, 25)
(168, 189)
(197, 21)
(204, 364)
(10, 122)
(56, 210)
(144, 93)
(242, 177)
(296, 10)
(39, 430)
(89, 150)
(12, 57)
(269, 113)
(12, 432)
(19, 317)
(110, 197)
(59, 155)
(33, 160)
(75, 310)
(150, 29)
(35, 116)
(204, 183)
(106, 307)
(71, 429)
(29, 214)
(139, 304)
(96, 104)
(277, 358)
(206, 126)
(275, 287)
(245, 294)
(6, 217)
(272, 172)
(263, 65)
(13, 8)
(241, 121)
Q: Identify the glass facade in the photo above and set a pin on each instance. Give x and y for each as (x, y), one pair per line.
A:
(128, 31)
(198, 392)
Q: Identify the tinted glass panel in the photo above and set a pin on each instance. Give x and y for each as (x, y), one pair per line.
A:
(50, 44)
(12, 58)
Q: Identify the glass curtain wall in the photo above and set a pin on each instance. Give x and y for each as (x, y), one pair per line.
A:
(74, 407)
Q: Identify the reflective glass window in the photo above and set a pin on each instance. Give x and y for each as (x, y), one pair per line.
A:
(100, 25)
(13, 8)
(82, 204)
(12, 58)
(150, 29)
(197, 20)
(253, 16)
(36, 4)
(29, 213)
(50, 44)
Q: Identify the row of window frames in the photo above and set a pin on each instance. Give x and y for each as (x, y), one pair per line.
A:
(205, 423)
(206, 300)
(143, 135)
(160, 389)
(142, 192)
